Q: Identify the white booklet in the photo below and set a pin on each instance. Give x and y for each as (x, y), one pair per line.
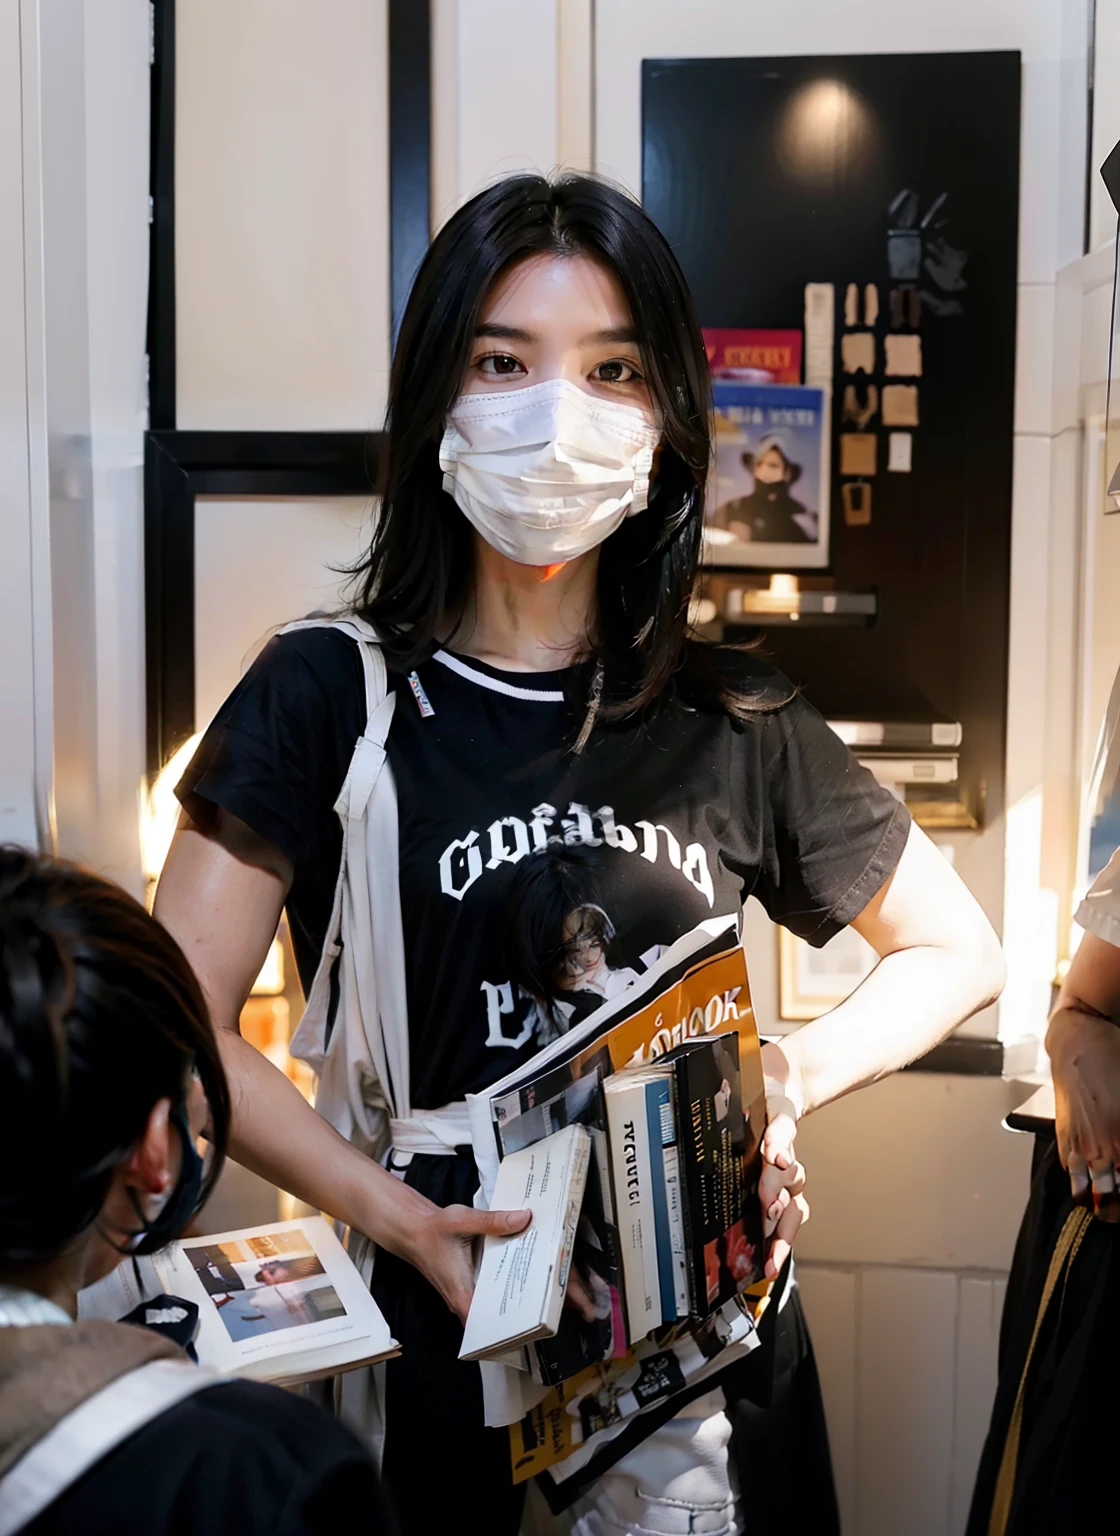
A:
(522, 1278)
(281, 1303)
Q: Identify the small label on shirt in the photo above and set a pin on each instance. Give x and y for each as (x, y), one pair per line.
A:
(423, 703)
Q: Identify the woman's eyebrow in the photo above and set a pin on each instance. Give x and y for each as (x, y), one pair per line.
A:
(505, 333)
(622, 333)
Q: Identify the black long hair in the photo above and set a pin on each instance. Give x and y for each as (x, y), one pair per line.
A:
(419, 567)
(100, 1017)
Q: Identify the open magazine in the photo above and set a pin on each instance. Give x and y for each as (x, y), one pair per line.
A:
(583, 1389)
(280, 1303)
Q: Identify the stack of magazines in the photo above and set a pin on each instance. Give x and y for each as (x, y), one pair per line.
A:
(635, 1141)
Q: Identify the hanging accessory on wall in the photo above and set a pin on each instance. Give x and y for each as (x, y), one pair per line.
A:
(904, 242)
(857, 352)
(858, 453)
(851, 305)
(900, 405)
(820, 332)
(871, 305)
(906, 236)
(904, 355)
(906, 309)
(900, 447)
(938, 305)
(856, 496)
(861, 404)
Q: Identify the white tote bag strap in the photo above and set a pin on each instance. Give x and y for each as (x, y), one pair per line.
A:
(363, 1067)
(80, 1440)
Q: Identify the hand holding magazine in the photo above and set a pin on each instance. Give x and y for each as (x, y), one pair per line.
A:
(280, 1303)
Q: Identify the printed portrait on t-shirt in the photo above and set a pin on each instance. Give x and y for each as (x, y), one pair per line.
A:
(562, 945)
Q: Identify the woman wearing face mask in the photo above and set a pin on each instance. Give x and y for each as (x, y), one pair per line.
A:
(529, 580)
(108, 1071)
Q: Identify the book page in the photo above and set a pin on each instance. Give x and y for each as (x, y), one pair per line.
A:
(273, 1291)
(522, 1277)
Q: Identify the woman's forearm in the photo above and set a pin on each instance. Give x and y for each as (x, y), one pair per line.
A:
(911, 1000)
(278, 1135)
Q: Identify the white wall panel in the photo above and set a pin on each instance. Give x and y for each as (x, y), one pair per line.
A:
(979, 1308)
(17, 693)
(259, 564)
(1034, 358)
(830, 1298)
(916, 1170)
(1106, 118)
(905, 1402)
(496, 107)
(281, 234)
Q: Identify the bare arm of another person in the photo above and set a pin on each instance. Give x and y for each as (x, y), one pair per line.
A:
(940, 962)
(220, 895)
(1083, 1043)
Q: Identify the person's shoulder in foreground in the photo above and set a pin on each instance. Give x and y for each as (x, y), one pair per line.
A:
(238, 1459)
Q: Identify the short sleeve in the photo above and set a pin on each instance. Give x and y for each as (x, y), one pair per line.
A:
(832, 834)
(1099, 913)
(277, 751)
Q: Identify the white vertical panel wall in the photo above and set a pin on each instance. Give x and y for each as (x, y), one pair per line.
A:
(495, 94)
(73, 280)
(281, 204)
(116, 158)
(18, 421)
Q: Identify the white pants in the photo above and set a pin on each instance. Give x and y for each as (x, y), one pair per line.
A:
(679, 1482)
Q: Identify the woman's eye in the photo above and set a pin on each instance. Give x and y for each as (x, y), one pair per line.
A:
(617, 371)
(499, 365)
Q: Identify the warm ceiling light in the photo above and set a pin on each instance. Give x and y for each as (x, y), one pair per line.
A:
(825, 125)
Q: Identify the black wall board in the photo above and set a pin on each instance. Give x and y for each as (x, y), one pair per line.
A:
(767, 174)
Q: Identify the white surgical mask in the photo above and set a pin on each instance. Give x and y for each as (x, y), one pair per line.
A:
(546, 473)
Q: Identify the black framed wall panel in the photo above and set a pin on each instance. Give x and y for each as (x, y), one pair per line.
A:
(770, 173)
(178, 467)
(181, 465)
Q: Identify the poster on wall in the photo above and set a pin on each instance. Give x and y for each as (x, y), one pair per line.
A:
(769, 494)
(753, 356)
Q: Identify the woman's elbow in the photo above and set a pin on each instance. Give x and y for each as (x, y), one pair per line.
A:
(987, 966)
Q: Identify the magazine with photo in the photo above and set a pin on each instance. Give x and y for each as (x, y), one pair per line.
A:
(768, 501)
(280, 1303)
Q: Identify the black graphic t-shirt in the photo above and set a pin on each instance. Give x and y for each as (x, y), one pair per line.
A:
(676, 818)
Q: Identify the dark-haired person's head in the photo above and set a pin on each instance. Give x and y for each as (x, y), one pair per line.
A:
(109, 1071)
(423, 560)
(555, 930)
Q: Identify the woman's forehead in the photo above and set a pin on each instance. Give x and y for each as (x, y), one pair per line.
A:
(544, 292)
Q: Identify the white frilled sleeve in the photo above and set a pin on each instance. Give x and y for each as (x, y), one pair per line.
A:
(1099, 913)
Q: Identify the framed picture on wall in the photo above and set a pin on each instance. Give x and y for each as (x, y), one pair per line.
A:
(811, 981)
(768, 500)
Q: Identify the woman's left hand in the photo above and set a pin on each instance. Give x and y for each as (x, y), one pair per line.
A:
(781, 1185)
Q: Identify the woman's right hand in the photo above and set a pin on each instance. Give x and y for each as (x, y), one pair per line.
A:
(440, 1242)
(1084, 1053)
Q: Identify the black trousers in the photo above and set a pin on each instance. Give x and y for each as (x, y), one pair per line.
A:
(445, 1471)
(1071, 1412)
